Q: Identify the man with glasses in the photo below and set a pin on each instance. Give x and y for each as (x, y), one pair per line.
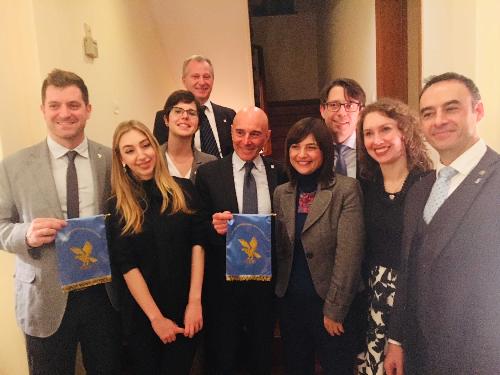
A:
(214, 135)
(341, 101)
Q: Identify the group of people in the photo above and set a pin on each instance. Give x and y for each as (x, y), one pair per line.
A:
(379, 264)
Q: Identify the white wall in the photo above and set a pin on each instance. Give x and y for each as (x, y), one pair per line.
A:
(346, 43)
(464, 36)
(220, 31)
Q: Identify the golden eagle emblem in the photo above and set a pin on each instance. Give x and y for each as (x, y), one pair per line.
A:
(250, 249)
(84, 255)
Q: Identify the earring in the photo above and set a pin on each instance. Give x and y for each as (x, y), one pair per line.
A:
(124, 167)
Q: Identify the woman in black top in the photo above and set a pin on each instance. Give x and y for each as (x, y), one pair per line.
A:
(156, 237)
(392, 157)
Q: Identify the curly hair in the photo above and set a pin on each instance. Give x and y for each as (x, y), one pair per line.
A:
(416, 151)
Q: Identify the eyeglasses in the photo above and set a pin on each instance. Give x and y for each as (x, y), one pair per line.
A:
(335, 106)
(178, 111)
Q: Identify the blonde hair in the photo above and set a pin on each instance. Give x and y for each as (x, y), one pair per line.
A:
(129, 192)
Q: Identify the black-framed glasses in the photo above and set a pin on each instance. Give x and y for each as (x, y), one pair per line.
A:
(178, 111)
(348, 106)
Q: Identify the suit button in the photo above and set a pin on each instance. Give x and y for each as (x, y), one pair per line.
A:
(309, 255)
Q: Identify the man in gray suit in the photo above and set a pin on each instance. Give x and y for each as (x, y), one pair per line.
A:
(446, 310)
(33, 206)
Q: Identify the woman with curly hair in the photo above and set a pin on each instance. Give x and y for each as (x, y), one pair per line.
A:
(392, 158)
(155, 240)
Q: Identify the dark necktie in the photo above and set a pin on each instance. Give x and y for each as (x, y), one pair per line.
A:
(249, 191)
(340, 165)
(208, 143)
(72, 200)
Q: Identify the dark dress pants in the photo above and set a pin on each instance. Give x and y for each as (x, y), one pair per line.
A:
(241, 309)
(89, 319)
(305, 338)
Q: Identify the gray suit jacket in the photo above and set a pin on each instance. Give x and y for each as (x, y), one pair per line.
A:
(199, 159)
(28, 191)
(332, 237)
(446, 308)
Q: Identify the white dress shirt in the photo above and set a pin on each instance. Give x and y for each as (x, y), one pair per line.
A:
(59, 165)
(209, 112)
(172, 169)
(260, 176)
(464, 164)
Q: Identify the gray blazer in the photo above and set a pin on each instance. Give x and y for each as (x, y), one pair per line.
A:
(28, 191)
(332, 237)
(199, 159)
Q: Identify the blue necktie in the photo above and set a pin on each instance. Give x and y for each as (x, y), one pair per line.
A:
(340, 164)
(439, 192)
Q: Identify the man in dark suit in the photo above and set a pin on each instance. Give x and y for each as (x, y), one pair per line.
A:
(341, 102)
(232, 304)
(36, 186)
(214, 135)
(446, 316)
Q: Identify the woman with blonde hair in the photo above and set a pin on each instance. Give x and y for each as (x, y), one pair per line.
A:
(392, 157)
(156, 243)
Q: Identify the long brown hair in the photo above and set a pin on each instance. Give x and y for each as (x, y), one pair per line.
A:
(129, 192)
(416, 151)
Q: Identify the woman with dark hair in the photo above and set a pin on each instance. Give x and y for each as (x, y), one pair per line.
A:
(155, 240)
(182, 119)
(392, 157)
(319, 248)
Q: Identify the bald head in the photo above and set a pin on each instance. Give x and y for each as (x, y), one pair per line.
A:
(250, 132)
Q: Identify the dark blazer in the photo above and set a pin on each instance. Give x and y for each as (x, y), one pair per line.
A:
(223, 118)
(215, 185)
(446, 310)
(332, 237)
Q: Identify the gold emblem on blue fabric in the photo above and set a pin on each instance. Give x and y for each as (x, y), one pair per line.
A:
(82, 253)
(248, 248)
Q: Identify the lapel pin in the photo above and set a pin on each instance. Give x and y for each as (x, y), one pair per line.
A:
(478, 180)
(272, 166)
(482, 172)
(99, 155)
(224, 120)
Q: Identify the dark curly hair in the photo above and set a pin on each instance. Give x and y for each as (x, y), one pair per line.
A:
(416, 151)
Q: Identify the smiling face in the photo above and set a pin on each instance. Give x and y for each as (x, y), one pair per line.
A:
(65, 114)
(249, 132)
(342, 124)
(181, 120)
(383, 139)
(137, 152)
(306, 156)
(449, 118)
(199, 79)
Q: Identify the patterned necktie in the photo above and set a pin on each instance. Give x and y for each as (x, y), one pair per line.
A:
(439, 192)
(208, 143)
(249, 191)
(340, 165)
(72, 199)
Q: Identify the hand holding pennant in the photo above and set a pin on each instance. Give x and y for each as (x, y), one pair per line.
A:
(248, 248)
(82, 253)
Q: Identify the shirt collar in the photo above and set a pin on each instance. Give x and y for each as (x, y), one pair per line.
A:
(240, 164)
(351, 141)
(59, 151)
(468, 160)
(208, 106)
